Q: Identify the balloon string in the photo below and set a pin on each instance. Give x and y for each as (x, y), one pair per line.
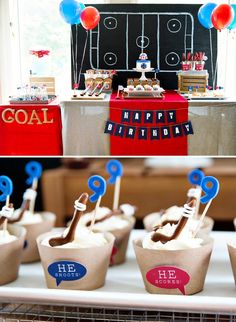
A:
(212, 64)
(226, 57)
(82, 61)
(216, 68)
(76, 52)
(73, 57)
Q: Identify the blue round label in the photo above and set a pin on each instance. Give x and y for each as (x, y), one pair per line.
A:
(66, 271)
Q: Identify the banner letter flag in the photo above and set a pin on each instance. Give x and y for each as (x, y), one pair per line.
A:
(109, 128)
(148, 117)
(155, 133)
(171, 116)
(165, 132)
(177, 131)
(126, 116)
(142, 133)
(188, 129)
(160, 117)
(137, 117)
(130, 132)
(120, 130)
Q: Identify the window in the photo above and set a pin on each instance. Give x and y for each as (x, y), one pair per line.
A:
(41, 27)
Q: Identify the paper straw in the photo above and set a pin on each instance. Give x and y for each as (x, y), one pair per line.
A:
(32, 202)
(202, 217)
(5, 221)
(95, 213)
(198, 202)
(116, 194)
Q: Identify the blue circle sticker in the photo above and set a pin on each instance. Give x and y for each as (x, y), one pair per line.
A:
(66, 271)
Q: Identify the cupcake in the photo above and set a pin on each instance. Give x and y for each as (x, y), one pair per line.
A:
(232, 255)
(172, 259)
(148, 88)
(173, 214)
(139, 88)
(77, 259)
(118, 222)
(11, 247)
(34, 223)
(130, 88)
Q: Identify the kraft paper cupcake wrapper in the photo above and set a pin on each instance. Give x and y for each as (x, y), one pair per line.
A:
(30, 253)
(232, 256)
(174, 272)
(121, 242)
(11, 254)
(74, 268)
(153, 218)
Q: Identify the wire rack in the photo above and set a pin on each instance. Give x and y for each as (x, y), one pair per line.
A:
(35, 312)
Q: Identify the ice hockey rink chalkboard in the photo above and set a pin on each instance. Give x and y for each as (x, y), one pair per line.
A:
(164, 32)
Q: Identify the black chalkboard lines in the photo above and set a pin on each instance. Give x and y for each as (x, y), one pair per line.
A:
(164, 32)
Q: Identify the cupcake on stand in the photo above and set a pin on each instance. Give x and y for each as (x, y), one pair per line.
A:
(34, 223)
(78, 258)
(174, 258)
(119, 220)
(11, 237)
(173, 214)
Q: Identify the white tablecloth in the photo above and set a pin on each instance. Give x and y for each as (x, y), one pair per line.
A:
(213, 123)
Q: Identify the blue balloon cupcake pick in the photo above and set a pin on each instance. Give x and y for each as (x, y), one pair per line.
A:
(34, 170)
(115, 169)
(6, 188)
(195, 177)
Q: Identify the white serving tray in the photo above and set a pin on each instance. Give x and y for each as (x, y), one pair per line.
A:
(124, 287)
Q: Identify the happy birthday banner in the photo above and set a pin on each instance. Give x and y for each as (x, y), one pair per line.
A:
(149, 127)
(144, 132)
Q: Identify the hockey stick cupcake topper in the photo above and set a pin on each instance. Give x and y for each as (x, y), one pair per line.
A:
(115, 169)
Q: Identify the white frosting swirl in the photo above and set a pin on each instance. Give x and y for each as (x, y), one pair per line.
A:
(28, 217)
(84, 238)
(6, 237)
(111, 223)
(184, 240)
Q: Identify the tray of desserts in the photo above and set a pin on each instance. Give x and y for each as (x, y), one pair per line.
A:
(124, 287)
(146, 91)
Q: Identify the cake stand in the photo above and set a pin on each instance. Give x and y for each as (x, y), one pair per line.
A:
(143, 71)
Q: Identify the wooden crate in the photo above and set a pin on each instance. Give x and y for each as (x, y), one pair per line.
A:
(187, 80)
(40, 81)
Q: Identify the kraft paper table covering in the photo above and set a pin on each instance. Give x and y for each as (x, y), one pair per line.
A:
(124, 286)
(213, 120)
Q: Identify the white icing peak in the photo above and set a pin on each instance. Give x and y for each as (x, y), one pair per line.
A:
(84, 238)
(30, 194)
(6, 237)
(111, 223)
(28, 217)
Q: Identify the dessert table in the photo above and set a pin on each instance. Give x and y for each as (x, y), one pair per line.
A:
(124, 287)
(84, 122)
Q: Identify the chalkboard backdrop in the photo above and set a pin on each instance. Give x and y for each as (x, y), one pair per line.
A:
(164, 32)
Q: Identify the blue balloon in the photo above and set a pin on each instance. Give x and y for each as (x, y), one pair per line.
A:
(233, 23)
(204, 14)
(70, 11)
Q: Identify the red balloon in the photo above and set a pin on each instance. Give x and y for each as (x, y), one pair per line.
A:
(222, 16)
(90, 18)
